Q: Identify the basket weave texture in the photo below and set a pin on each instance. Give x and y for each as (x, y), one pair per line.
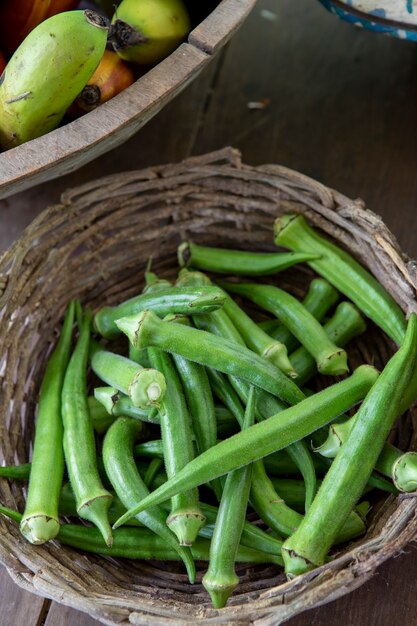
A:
(94, 246)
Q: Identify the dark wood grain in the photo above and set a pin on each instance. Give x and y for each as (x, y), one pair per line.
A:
(343, 109)
(18, 607)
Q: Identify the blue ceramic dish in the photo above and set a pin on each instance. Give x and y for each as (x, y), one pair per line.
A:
(397, 18)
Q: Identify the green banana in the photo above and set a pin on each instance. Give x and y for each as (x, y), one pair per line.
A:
(146, 32)
(47, 72)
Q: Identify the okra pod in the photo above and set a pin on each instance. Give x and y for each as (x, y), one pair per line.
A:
(240, 262)
(146, 387)
(40, 518)
(344, 272)
(352, 467)
(221, 579)
(186, 517)
(330, 359)
(129, 486)
(197, 391)
(147, 330)
(320, 298)
(93, 500)
(184, 301)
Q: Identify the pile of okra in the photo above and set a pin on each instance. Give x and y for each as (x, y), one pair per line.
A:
(209, 415)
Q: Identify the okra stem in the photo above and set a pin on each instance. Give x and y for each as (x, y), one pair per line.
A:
(145, 387)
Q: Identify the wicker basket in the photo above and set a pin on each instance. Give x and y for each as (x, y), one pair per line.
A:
(95, 245)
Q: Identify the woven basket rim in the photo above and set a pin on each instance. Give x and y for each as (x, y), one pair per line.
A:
(259, 189)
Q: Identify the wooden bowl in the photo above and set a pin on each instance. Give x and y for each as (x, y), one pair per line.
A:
(71, 146)
(95, 246)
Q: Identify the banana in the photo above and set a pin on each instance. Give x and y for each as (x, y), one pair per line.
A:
(110, 78)
(157, 27)
(47, 72)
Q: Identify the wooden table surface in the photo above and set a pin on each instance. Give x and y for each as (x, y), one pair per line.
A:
(343, 109)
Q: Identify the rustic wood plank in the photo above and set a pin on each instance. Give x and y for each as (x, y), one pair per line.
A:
(388, 598)
(64, 616)
(342, 105)
(19, 607)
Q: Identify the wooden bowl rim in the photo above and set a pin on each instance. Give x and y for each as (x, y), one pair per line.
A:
(68, 147)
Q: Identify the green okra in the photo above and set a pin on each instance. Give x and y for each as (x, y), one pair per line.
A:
(283, 519)
(40, 518)
(197, 391)
(47, 72)
(242, 328)
(330, 359)
(221, 579)
(92, 499)
(117, 404)
(17, 472)
(344, 272)
(150, 449)
(257, 340)
(265, 501)
(184, 301)
(129, 486)
(141, 543)
(345, 324)
(352, 467)
(100, 418)
(266, 437)
(147, 330)
(152, 471)
(146, 387)
(404, 471)
(220, 324)
(240, 262)
(252, 536)
(388, 463)
(185, 518)
(320, 298)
